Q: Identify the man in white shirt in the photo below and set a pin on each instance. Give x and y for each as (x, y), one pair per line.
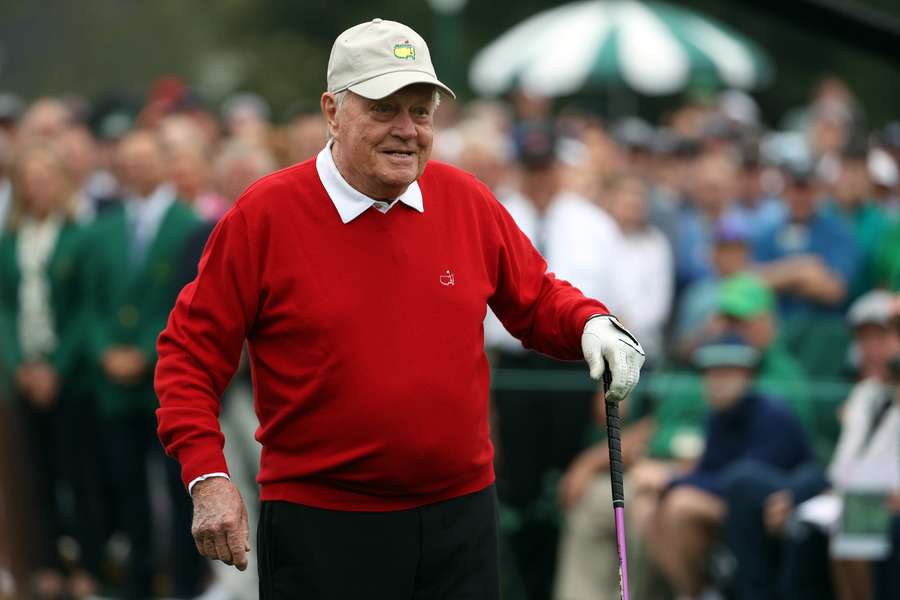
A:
(541, 430)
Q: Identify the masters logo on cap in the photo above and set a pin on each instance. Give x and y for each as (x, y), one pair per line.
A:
(405, 51)
(377, 58)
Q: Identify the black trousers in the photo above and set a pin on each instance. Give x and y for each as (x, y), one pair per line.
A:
(446, 550)
(62, 450)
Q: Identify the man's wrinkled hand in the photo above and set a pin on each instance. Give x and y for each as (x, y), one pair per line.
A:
(608, 345)
(220, 527)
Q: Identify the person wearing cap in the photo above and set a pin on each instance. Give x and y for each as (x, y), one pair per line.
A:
(581, 244)
(711, 196)
(755, 206)
(697, 308)
(851, 200)
(360, 280)
(865, 457)
(808, 257)
(747, 305)
(739, 439)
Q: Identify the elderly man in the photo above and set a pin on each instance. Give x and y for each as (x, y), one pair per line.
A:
(360, 280)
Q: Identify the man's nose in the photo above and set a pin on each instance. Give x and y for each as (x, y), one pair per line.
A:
(403, 126)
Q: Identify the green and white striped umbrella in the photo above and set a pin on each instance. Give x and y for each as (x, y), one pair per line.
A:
(652, 47)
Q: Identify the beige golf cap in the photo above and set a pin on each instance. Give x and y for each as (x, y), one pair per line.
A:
(377, 58)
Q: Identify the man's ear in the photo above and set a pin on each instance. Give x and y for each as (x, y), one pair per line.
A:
(329, 111)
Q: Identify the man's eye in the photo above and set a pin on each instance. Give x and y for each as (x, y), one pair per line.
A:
(421, 111)
(381, 108)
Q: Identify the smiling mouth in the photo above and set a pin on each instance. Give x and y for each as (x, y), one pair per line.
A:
(399, 153)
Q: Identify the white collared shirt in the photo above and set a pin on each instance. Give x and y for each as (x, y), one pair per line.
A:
(350, 202)
(146, 214)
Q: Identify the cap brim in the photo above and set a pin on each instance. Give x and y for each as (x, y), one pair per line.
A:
(381, 86)
(725, 355)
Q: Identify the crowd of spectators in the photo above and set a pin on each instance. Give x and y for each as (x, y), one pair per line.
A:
(758, 263)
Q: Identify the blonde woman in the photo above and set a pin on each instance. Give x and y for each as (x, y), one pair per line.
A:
(40, 347)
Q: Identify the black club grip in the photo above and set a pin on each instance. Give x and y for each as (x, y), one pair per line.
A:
(615, 453)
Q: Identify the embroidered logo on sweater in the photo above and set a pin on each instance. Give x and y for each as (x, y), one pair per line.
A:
(447, 278)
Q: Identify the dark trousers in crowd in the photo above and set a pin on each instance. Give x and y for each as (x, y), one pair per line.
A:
(760, 557)
(806, 572)
(132, 445)
(67, 488)
(438, 551)
(540, 431)
(887, 572)
(807, 566)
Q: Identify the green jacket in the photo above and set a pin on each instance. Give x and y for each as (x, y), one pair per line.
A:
(129, 306)
(66, 279)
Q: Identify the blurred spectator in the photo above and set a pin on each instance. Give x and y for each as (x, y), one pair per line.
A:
(867, 459)
(44, 120)
(485, 156)
(712, 192)
(306, 136)
(827, 120)
(95, 187)
(739, 448)
(755, 205)
(698, 306)
(884, 175)
(875, 344)
(41, 316)
(810, 259)
(851, 202)
(247, 118)
(540, 431)
(747, 306)
(238, 165)
(136, 251)
(645, 283)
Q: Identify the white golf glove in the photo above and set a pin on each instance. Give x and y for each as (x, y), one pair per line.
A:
(608, 345)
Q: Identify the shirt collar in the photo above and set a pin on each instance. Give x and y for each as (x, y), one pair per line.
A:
(149, 211)
(350, 202)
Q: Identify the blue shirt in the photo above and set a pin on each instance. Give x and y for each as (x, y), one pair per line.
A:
(756, 428)
(693, 246)
(824, 236)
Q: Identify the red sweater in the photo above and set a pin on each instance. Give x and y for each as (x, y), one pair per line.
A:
(369, 374)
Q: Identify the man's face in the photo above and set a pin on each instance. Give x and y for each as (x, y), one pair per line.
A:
(878, 345)
(758, 330)
(382, 146)
(801, 200)
(142, 163)
(730, 257)
(726, 385)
